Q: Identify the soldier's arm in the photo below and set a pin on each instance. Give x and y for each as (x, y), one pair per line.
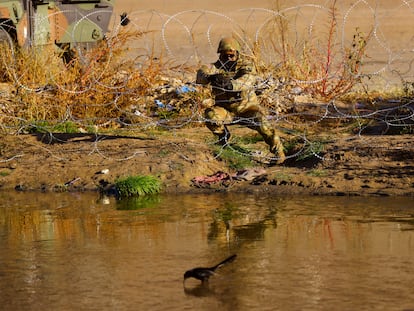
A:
(245, 77)
(203, 75)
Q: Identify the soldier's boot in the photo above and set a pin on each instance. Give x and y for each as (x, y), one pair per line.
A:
(216, 118)
(277, 149)
(224, 138)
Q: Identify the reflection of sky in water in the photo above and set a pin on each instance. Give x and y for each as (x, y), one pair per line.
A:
(79, 252)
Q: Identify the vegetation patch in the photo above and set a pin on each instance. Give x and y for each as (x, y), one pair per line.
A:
(4, 173)
(236, 157)
(140, 185)
(304, 150)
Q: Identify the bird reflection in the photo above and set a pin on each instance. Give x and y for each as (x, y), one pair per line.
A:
(200, 290)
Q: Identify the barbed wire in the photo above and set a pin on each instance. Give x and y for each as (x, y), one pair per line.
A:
(183, 41)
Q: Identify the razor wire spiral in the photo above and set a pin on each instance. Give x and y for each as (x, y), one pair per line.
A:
(187, 39)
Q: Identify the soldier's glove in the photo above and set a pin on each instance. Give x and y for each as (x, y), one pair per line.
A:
(220, 81)
(240, 73)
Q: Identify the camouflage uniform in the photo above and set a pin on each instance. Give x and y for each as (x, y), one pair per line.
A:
(235, 98)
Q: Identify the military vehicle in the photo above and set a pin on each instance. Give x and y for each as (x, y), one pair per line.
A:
(65, 24)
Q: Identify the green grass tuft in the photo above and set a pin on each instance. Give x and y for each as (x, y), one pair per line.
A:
(312, 149)
(137, 186)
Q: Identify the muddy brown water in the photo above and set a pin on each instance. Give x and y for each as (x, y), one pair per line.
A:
(81, 252)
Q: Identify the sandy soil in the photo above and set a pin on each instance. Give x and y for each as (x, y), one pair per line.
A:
(357, 165)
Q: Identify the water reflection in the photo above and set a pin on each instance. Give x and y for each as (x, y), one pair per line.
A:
(79, 251)
(235, 222)
(199, 290)
(136, 203)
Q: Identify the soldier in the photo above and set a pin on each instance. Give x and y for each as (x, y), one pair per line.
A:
(233, 80)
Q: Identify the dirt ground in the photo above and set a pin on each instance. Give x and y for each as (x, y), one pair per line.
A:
(377, 165)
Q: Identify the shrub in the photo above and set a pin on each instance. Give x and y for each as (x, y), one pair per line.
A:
(318, 64)
(95, 87)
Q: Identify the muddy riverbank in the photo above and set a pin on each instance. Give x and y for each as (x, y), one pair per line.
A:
(350, 165)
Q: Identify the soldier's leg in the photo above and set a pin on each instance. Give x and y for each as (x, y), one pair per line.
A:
(258, 122)
(216, 120)
(273, 140)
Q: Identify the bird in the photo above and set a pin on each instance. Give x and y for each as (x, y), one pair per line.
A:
(203, 274)
(124, 19)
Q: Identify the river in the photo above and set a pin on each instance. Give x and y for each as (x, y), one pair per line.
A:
(79, 251)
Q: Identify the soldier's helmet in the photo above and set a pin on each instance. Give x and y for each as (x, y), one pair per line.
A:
(228, 44)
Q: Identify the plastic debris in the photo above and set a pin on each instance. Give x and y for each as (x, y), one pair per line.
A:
(185, 89)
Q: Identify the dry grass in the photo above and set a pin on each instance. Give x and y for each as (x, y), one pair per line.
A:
(320, 65)
(97, 85)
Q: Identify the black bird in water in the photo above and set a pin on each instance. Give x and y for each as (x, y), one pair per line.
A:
(203, 274)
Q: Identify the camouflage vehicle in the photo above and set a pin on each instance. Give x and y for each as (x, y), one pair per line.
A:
(66, 24)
